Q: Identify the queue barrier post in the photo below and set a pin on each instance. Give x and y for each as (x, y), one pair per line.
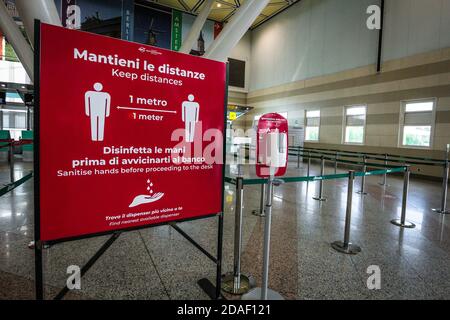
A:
(11, 162)
(240, 160)
(363, 178)
(298, 158)
(443, 209)
(264, 293)
(402, 221)
(260, 212)
(309, 163)
(336, 162)
(346, 246)
(384, 182)
(237, 283)
(322, 173)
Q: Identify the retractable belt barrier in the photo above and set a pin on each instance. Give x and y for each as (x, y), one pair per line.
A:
(238, 283)
(375, 155)
(404, 160)
(255, 181)
(335, 155)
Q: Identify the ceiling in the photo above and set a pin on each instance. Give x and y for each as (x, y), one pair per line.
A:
(223, 10)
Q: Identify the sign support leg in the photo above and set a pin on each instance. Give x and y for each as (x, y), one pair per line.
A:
(237, 283)
(90, 263)
(38, 271)
(219, 258)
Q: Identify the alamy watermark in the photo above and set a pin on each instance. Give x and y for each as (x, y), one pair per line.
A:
(374, 280)
(374, 19)
(74, 280)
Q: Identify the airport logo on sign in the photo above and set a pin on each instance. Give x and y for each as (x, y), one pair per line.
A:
(152, 51)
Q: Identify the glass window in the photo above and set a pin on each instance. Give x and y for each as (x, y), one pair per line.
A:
(354, 135)
(5, 119)
(13, 97)
(20, 121)
(417, 123)
(312, 134)
(15, 121)
(419, 107)
(313, 114)
(355, 124)
(419, 136)
(312, 128)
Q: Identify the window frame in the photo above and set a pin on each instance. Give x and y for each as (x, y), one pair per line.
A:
(306, 125)
(403, 112)
(344, 125)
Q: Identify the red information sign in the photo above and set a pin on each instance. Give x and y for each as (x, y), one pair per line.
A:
(272, 146)
(129, 135)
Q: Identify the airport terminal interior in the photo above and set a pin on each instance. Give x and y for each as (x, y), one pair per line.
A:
(336, 132)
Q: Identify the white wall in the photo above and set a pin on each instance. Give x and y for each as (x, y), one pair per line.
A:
(415, 26)
(319, 37)
(13, 72)
(312, 38)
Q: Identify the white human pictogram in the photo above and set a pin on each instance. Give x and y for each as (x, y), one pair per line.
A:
(97, 107)
(190, 116)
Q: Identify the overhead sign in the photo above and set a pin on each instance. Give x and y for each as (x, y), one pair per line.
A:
(232, 116)
(129, 135)
(28, 99)
(272, 146)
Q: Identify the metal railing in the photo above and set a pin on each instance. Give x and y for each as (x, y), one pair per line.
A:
(336, 156)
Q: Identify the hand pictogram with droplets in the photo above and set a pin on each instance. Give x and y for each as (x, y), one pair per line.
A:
(151, 197)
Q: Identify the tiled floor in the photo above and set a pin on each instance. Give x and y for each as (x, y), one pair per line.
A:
(158, 263)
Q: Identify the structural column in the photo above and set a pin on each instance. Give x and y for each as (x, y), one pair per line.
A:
(43, 10)
(197, 27)
(235, 29)
(17, 40)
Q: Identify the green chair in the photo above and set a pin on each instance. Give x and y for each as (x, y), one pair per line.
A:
(4, 151)
(27, 148)
(27, 135)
